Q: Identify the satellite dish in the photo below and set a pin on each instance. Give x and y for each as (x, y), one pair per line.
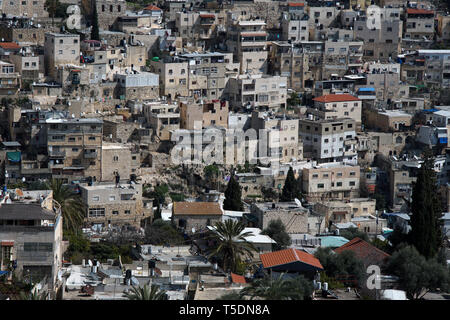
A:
(90, 263)
(298, 203)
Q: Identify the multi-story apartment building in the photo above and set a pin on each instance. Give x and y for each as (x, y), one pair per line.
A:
(108, 11)
(137, 85)
(27, 64)
(247, 40)
(123, 159)
(334, 106)
(162, 118)
(329, 140)
(321, 18)
(437, 66)
(173, 76)
(31, 236)
(204, 113)
(208, 73)
(294, 26)
(282, 135)
(331, 181)
(197, 28)
(60, 49)
(109, 204)
(384, 41)
(341, 57)
(419, 25)
(261, 92)
(31, 9)
(10, 80)
(74, 147)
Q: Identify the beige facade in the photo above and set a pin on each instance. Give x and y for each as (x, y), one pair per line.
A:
(331, 181)
(206, 113)
(173, 77)
(119, 158)
(334, 106)
(106, 205)
(388, 120)
(60, 49)
(262, 92)
(74, 148)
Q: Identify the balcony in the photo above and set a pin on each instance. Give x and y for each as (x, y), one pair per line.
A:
(56, 154)
(91, 155)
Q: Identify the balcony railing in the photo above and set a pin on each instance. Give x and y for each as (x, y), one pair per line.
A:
(90, 155)
(57, 154)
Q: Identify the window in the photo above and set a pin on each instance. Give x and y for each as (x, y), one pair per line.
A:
(73, 52)
(91, 138)
(338, 184)
(96, 198)
(60, 52)
(127, 212)
(96, 212)
(74, 149)
(320, 186)
(112, 198)
(352, 183)
(352, 173)
(339, 174)
(315, 176)
(38, 246)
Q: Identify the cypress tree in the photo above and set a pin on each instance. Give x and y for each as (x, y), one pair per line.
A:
(233, 196)
(291, 188)
(95, 35)
(426, 210)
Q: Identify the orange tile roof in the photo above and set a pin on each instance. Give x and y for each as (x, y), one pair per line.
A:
(286, 256)
(296, 4)
(336, 98)
(152, 8)
(9, 45)
(196, 208)
(419, 11)
(235, 278)
(207, 15)
(364, 251)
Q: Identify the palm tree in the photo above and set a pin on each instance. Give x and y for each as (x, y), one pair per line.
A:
(71, 205)
(146, 293)
(33, 295)
(280, 288)
(231, 243)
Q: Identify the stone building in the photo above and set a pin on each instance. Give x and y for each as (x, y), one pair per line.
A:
(60, 49)
(121, 158)
(194, 217)
(109, 204)
(31, 236)
(331, 181)
(207, 113)
(329, 140)
(32, 9)
(294, 218)
(108, 11)
(137, 85)
(74, 147)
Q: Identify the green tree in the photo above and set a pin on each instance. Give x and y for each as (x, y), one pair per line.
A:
(146, 293)
(233, 196)
(291, 188)
(426, 210)
(211, 174)
(162, 233)
(277, 231)
(71, 205)
(417, 275)
(344, 267)
(35, 295)
(380, 201)
(351, 233)
(230, 296)
(280, 288)
(230, 244)
(293, 100)
(95, 34)
(269, 194)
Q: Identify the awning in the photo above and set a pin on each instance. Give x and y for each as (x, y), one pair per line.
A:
(7, 243)
(14, 156)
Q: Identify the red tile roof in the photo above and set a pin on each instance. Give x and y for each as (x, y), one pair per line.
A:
(9, 45)
(286, 256)
(235, 278)
(196, 208)
(336, 98)
(296, 4)
(206, 15)
(364, 251)
(419, 11)
(152, 8)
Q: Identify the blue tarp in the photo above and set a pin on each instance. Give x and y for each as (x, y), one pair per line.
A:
(366, 89)
(3, 272)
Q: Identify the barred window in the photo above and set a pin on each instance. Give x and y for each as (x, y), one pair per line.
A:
(97, 212)
(38, 246)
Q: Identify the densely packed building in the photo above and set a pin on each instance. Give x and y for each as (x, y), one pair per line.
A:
(348, 94)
